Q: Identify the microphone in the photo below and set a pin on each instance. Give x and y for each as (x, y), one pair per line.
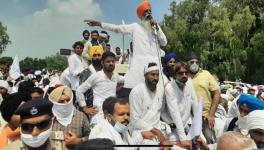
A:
(153, 23)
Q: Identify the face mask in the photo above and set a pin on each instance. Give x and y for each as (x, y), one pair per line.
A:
(180, 83)
(242, 124)
(63, 112)
(194, 68)
(36, 141)
(119, 127)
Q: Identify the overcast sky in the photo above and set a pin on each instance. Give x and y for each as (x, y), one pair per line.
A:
(39, 28)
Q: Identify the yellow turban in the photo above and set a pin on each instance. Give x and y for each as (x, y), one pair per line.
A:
(95, 50)
(56, 94)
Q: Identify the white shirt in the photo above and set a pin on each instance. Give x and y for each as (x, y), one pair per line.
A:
(146, 49)
(105, 130)
(75, 68)
(102, 86)
(180, 103)
(145, 108)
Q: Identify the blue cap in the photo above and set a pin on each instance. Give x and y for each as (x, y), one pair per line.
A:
(252, 102)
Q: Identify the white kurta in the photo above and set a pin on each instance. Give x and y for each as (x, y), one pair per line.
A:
(75, 68)
(102, 87)
(146, 48)
(105, 130)
(145, 108)
(180, 104)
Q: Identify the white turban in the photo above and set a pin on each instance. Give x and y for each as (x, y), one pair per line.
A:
(256, 120)
(148, 69)
(5, 85)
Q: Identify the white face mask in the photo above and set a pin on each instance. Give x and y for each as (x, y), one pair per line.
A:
(63, 112)
(194, 68)
(36, 141)
(242, 124)
(119, 127)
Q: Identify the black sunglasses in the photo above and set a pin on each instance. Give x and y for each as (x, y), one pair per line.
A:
(29, 127)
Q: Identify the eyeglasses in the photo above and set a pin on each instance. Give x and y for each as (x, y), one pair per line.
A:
(29, 127)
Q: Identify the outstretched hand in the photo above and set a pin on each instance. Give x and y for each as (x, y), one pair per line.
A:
(91, 22)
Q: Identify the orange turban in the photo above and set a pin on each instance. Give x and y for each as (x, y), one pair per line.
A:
(95, 50)
(142, 7)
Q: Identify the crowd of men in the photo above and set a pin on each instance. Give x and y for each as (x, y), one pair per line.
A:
(154, 105)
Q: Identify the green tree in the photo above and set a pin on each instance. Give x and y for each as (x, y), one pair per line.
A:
(226, 34)
(4, 38)
(57, 62)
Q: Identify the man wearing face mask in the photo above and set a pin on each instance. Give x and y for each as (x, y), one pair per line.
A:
(147, 38)
(206, 87)
(181, 102)
(73, 123)
(36, 128)
(103, 83)
(146, 103)
(246, 104)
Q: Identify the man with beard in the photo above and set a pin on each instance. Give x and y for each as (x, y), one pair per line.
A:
(146, 104)
(94, 42)
(169, 63)
(181, 102)
(96, 53)
(147, 38)
(76, 66)
(86, 35)
(255, 125)
(103, 83)
(207, 88)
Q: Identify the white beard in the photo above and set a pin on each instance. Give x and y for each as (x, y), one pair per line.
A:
(146, 25)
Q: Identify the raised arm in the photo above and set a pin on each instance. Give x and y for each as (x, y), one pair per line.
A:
(124, 28)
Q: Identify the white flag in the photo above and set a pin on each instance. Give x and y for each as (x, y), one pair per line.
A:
(123, 22)
(14, 71)
(196, 128)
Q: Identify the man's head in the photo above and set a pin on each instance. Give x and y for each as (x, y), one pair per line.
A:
(103, 36)
(61, 95)
(118, 51)
(248, 103)
(96, 53)
(181, 71)
(4, 87)
(151, 73)
(78, 47)
(193, 63)
(36, 93)
(144, 10)
(170, 61)
(235, 141)
(86, 35)
(36, 122)
(255, 125)
(251, 91)
(96, 144)
(94, 35)
(8, 107)
(108, 61)
(116, 111)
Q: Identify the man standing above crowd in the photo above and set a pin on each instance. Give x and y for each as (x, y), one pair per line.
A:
(147, 38)
(76, 66)
(207, 88)
(86, 35)
(103, 83)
